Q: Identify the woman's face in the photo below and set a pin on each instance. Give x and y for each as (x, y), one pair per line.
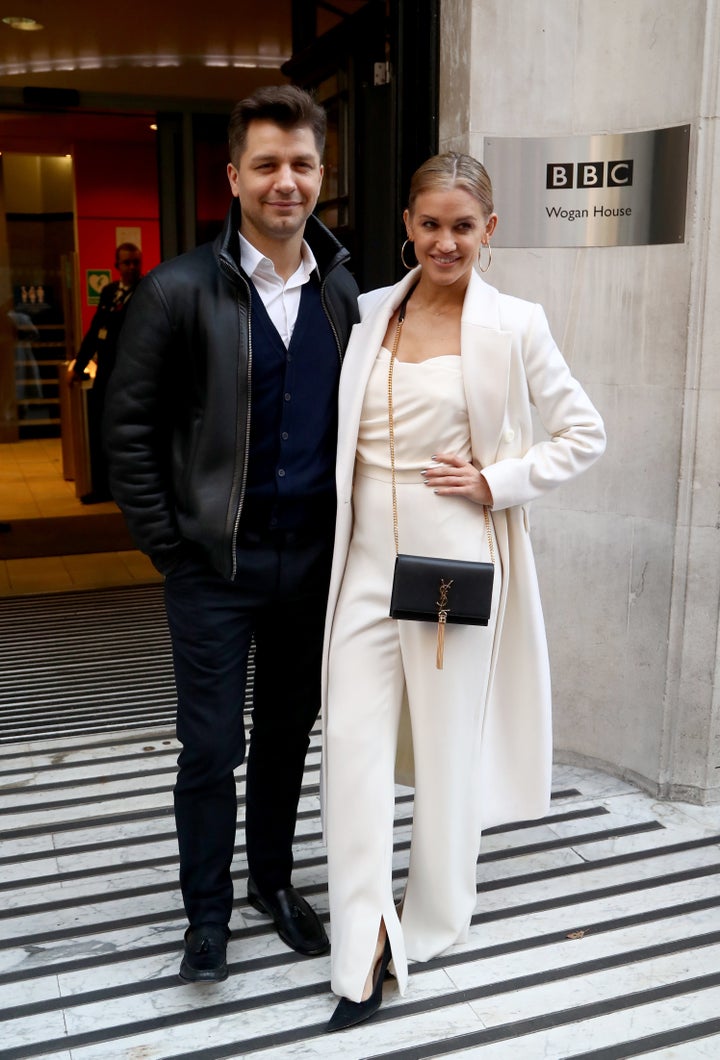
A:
(448, 227)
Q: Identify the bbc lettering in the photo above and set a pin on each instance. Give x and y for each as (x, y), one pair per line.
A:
(563, 175)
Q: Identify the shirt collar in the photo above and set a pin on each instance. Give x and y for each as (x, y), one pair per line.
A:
(252, 261)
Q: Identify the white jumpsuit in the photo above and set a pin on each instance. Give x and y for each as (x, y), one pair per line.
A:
(374, 660)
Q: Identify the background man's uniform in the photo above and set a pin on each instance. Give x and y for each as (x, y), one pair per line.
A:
(100, 341)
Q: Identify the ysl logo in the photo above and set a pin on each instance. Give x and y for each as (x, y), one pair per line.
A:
(442, 603)
(442, 606)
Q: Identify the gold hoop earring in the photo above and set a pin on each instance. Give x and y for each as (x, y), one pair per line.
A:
(489, 257)
(402, 254)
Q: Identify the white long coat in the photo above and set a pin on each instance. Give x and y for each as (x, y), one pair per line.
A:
(509, 361)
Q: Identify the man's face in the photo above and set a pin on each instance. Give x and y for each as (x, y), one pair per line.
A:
(129, 265)
(277, 180)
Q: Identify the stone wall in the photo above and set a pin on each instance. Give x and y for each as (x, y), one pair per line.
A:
(629, 555)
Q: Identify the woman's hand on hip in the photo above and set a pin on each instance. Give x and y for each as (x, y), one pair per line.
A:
(452, 476)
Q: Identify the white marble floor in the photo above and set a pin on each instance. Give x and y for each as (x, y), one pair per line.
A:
(596, 934)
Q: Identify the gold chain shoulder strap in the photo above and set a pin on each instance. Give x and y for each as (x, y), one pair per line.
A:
(391, 432)
(391, 424)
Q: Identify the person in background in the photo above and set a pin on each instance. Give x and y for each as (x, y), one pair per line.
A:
(221, 428)
(464, 365)
(100, 344)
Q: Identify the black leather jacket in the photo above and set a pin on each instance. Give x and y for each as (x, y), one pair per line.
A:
(177, 417)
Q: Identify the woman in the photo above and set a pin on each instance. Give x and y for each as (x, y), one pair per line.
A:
(468, 364)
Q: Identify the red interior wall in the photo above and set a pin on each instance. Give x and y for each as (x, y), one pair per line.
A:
(212, 189)
(115, 186)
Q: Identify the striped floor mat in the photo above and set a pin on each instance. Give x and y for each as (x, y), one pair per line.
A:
(84, 662)
(596, 934)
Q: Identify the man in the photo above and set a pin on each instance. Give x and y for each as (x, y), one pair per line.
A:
(222, 428)
(101, 342)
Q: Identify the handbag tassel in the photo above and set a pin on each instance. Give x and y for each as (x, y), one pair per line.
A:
(442, 622)
(442, 606)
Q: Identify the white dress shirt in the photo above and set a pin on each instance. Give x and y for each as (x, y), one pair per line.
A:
(281, 299)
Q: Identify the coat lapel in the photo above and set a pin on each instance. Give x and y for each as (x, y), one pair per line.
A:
(485, 362)
(360, 357)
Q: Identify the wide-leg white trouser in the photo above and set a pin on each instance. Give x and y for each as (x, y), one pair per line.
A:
(373, 660)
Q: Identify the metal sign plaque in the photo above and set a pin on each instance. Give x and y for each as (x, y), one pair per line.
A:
(609, 190)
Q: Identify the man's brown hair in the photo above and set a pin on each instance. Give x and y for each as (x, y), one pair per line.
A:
(286, 105)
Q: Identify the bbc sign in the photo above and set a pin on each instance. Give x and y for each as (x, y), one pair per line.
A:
(615, 189)
(615, 174)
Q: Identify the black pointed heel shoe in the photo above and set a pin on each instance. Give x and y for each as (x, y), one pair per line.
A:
(348, 1013)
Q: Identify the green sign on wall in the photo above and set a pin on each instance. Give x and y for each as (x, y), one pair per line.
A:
(95, 280)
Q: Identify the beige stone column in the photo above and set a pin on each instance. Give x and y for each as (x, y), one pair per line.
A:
(629, 555)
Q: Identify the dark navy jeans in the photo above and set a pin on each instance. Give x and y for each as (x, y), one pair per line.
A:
(279, 598)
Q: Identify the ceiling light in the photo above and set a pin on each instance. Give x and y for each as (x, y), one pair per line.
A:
(20, 22)
(113, 62)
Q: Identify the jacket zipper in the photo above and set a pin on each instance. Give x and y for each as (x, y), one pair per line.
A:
(243, 485)
(241, 498)
(330, 320)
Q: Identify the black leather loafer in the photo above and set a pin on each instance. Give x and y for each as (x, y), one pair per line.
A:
(205, 959)
(297, 924)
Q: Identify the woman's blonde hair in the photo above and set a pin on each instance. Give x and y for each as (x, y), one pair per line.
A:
(453, 170)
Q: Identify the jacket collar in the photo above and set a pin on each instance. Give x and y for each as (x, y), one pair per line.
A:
(481, 305)
(328, 251)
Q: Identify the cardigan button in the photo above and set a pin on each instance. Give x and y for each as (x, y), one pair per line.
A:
(508, 435)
